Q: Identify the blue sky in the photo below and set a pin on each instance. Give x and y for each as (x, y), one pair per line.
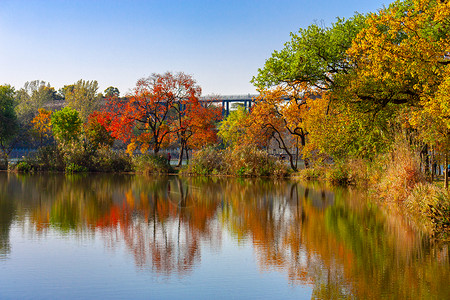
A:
(220, 43)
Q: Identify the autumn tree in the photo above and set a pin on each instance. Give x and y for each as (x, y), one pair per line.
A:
(310, 64)
(142, 119)
(402, 64)
(34, 95)
(402, 53)
(232, 129)
(42, 124)
(282, 119)
(8, 122)
(203, 117)
(341, 131)
(83, 96)
(194, 119)
(96, 134)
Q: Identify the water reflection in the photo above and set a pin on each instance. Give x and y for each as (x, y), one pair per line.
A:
(331, 240)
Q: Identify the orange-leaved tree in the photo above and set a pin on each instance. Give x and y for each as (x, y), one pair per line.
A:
(192, 121)
(280, 113)
(197, 125)
(143, 119)
(42, 124)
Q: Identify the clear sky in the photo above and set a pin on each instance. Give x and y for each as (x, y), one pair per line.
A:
(220, 43)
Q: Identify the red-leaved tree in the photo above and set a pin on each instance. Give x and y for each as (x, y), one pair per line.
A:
(161, 107)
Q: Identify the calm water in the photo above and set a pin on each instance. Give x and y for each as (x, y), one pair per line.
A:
(133, 237)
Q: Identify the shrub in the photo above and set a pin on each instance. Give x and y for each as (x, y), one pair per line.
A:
(74, 168)
(399, 173)
(314, 173)
(205, 162)
(338, 174)
(47, 158)
(108, 160)
(152, 164)
(239, 161)
(250, 161)
(429, 207)
(24, 167)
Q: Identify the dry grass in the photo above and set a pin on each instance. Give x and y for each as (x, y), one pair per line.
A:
(399, 174)
(399, 182)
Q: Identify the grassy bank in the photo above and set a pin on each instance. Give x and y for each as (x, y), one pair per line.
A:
(396, 181)
(238, 161)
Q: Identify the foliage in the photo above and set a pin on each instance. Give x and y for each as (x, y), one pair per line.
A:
(112, 92)
(237, 161)
(33, 96)
(338, 174)
(232, 129)
(193, 123)
(96, 133)
(279, 114)
(312, 57)
(429, 206)
(47, 158)
(401, 54)
(142, 118)
(202, 123)
(74, 168)
(402, 58)
(42, 124)
(83, 97)
(66, 126)
(23, 167)
(250, 161)
(8, 123)
(206, 161)
(109, 160)
(342, 131)
(152, 164)
(294, 78)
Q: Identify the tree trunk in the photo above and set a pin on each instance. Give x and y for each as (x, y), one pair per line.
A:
(446, 171)
(291, 161)
(433, 165)
(180, 156)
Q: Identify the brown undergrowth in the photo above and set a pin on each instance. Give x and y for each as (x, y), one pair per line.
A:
(399, 184)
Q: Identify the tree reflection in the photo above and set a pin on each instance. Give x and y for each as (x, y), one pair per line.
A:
(7, 214)
(332, 240)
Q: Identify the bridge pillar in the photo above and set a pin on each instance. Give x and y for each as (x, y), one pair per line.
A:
(225, 108)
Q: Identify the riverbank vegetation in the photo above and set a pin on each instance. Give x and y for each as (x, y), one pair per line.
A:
(364, 101)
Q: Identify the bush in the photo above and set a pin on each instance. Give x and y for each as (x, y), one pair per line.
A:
(398, 174)
(206, 162)
(24, 167)
(314, 173)
(250, 161)
(74, 168)
(338, 174)
(108, 160)
(152, 164)
(429, 207)
(239, 161)
(47, 158)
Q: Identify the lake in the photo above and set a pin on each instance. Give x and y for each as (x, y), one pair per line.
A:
(98, 236)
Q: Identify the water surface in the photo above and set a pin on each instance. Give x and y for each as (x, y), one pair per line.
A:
(137, 237)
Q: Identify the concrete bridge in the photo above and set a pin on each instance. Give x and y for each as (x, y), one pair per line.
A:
(226, 101)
